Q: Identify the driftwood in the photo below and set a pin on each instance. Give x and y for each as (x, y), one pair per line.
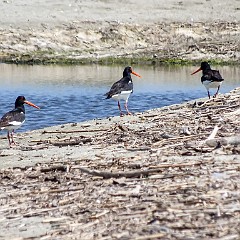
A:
(70, 142)
(233, 140)
(75, 131)
(152, 236)
(61, 168)
(135, 173)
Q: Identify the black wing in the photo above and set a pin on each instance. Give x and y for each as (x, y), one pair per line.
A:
(212, 75)
(14, 115)
(216, 76)
(124, 84)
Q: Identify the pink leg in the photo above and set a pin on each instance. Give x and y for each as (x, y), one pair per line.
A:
(12, 136)
(9, 138)
(126, 107)
(119, 107)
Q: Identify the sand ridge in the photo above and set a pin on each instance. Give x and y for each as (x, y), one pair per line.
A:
(73, 31)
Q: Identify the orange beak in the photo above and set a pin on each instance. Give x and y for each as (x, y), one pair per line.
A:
(31, 104)
(196, 71)
(136, 74)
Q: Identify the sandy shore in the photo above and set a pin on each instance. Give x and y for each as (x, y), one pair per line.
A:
(86, 31)
(165, 173)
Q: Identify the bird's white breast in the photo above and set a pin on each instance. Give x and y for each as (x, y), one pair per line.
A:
(123, 95)
(210, 84)
(13, 125)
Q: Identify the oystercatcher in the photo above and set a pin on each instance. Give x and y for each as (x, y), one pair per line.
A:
(210, 78)
(14, 119)
(122, 89)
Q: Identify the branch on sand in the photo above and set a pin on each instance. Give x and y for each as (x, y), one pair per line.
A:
(132, 174)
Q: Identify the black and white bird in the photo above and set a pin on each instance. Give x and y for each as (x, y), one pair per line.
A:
(122, 89)
(210, 78)
(14, 119)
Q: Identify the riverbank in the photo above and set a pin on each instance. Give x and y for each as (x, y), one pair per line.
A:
(123, 43)
(153, 32)
(170, 173)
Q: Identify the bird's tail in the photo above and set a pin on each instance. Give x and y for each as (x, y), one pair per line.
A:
(108, 95)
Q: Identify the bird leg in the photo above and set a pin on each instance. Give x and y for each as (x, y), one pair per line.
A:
(126, 107)
(216, 92)
(209, 94)
(10, 138)
(119, 107)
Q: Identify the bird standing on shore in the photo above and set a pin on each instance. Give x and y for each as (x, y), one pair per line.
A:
(122, 89)
(210, 78)
(14, 119)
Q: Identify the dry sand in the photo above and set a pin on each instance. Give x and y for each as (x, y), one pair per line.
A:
(53, 31)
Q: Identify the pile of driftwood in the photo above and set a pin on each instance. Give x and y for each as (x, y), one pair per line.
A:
(170, 173)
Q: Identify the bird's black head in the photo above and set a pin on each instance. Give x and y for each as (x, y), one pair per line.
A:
(128, 70)
(205, 66)
(20, 101)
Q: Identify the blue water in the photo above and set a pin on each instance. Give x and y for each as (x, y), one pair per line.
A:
(69, 94)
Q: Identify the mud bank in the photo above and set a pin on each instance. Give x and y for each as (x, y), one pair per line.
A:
(109, 32)
(107, 43)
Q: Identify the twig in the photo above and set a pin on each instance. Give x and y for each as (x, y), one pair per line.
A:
(152, 236)
(139, 149)
(70, 142)
(76, 131)
(41, 211)
(54, 168)
(131, 174)
(48, 191)
(60, 190)
(213, 134)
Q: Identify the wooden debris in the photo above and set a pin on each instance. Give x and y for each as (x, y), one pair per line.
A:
(134, 173)
(234, 140)
(70, 142)
(54, 168)
(171, 173)
(75, 131)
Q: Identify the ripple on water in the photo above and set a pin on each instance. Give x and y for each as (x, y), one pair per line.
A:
(76, 93)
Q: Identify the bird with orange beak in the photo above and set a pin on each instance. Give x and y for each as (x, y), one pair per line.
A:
(122, 89)
(210, 78)
(14, 119)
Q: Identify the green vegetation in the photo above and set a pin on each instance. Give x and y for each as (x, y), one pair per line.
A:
(50, 57)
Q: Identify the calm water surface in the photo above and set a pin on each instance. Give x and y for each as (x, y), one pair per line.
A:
(75, 93)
